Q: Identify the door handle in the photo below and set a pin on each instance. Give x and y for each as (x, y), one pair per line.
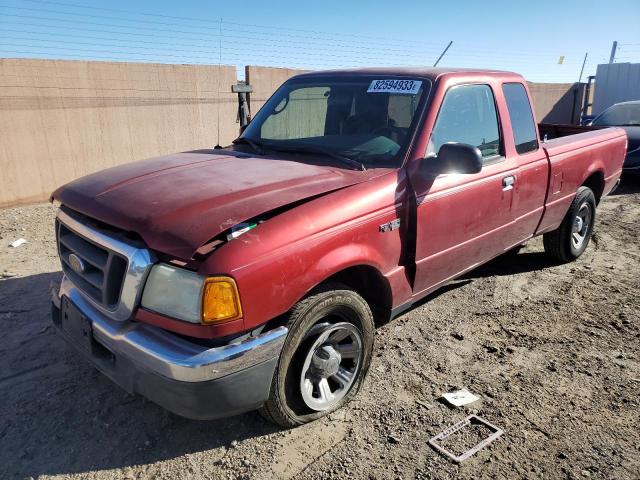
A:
(507, 182)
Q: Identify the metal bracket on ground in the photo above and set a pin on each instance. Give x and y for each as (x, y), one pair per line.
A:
(458, 426)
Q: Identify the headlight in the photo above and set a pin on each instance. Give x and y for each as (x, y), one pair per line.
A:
(185, 295)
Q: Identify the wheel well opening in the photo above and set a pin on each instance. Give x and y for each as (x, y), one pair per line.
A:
(369, 283)
(595, 182)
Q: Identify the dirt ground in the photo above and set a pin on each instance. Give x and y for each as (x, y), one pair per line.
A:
(552, 350)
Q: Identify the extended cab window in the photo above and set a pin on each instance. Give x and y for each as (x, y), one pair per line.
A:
(522, 123)
(468, 115)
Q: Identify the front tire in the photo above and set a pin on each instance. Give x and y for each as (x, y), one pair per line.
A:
(571, 238)
(325, 358)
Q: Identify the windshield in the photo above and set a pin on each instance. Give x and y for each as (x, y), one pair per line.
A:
(620, 115)
(361, 120)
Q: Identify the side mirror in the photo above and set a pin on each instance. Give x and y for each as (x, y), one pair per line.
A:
(454, 158)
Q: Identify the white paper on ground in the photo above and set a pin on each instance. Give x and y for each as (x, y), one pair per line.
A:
(17, 243)
(460, 397)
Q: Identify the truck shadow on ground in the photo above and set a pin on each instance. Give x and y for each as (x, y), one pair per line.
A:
(511, 263)
(507, 264)
(59, 415)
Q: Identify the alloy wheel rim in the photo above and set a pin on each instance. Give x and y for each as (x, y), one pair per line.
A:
(581, 225)
(331, 366)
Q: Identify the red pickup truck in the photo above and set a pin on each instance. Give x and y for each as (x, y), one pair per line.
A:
(219, 281)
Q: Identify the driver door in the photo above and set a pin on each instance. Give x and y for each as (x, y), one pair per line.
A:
(463, 220)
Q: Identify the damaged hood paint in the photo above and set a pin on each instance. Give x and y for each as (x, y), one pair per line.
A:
(176, 203)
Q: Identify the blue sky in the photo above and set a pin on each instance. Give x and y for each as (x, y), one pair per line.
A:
(527, 37)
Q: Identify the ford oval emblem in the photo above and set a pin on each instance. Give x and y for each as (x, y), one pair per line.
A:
(76, 263)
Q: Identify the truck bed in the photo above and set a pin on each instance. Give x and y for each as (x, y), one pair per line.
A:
(577, 154)
(549, 131)
(558, 139)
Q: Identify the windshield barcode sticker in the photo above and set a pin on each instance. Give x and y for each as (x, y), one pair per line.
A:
(408, 87)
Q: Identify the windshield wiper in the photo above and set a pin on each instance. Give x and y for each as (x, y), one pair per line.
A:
(323, 151)
(257, 146)
(362, 154)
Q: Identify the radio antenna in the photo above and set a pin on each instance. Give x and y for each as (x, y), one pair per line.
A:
(219, 69)
(442, 54)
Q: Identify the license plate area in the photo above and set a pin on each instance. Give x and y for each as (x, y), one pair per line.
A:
(76, 325)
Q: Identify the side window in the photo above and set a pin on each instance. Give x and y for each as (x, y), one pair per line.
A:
(468, 115)
(522, 123)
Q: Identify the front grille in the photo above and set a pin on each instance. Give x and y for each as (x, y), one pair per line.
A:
(103, 272)
(107, 266)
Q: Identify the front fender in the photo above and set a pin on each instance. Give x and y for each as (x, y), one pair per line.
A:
(270, 288)
(346, 256)
(282, 259)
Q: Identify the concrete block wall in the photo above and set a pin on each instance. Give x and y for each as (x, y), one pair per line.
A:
(60, 120)
(557, 102)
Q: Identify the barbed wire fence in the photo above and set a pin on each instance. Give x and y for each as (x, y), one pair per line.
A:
(74, 31)
(628, 52)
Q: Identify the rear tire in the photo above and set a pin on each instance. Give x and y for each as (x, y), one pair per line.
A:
(571, 238)
(325, 357)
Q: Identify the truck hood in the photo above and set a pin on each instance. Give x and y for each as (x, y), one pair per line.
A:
(176, 203)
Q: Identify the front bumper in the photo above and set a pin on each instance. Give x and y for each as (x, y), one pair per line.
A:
(186, 378)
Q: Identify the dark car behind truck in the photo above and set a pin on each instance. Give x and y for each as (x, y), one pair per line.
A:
(625, 115)
(219, 281)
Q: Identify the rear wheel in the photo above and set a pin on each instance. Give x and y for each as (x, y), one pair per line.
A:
(570, 240)
(325, 357)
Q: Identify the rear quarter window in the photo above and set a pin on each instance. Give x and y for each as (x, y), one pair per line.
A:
(522, 122)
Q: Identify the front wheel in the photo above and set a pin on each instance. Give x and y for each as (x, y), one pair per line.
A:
(570, 240)
(324, 359)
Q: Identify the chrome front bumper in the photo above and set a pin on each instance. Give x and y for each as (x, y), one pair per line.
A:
(184, 377)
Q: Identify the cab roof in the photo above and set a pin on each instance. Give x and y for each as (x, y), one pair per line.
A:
(430, 73)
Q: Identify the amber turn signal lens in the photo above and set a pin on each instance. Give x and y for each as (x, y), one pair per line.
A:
(220, 300)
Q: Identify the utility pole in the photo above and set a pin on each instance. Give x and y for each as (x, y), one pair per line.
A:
(614, 47)
(442, 54)
(584, 62)
(577, 90)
